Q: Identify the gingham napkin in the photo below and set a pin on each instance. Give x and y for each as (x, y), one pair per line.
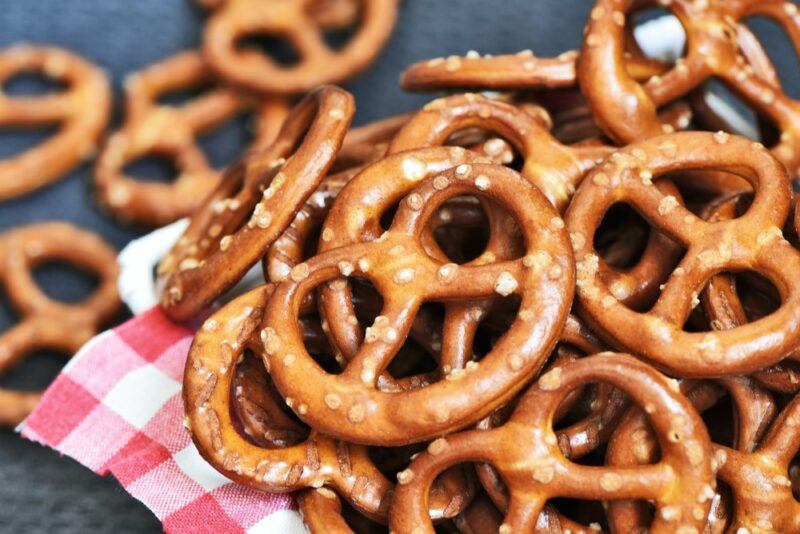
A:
(117, 408)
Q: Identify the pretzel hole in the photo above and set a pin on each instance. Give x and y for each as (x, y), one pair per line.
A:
(183, 95)
(35, 371)
(224, 144)
(160, 168)
(732, 113)
(337, 36)
(258, 412)
(644, 24)
(778, 46)
(461, 229)
(494, 323)
(15, 140)
(757, 295)
(278, 48)
(622, 236)
(32, 83)
(65, 281)
(719, 420)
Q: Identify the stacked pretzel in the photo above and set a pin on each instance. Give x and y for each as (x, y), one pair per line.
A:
(224, 81)
(432, 347)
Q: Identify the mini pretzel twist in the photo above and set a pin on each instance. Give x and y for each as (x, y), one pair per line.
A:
(525, 451)
(81, 112)
(751, 242)
(756, 469)
(512, 72)
(725, 309)
(349, 405)
(254, 203)
(318, 64)
(626, 109)
(276, 462)
(172, 131)
(45, 323)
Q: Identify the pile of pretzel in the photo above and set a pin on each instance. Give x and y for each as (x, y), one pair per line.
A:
(546, 308)
(224, 81)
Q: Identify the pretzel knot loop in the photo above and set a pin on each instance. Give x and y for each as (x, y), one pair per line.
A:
(406, 276)
(285, 457)
(81, 111)
(46, 323)
(291, 19)
(627, 110)
(525, 451)
(172, 131)
(254, 203)
(751, 242)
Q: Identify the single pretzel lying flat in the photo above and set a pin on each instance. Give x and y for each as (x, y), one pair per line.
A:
(274, 463)
(318, 64)
(172, 131)
(349, 405)
(525, 451)
(255, 201)
(81, 111)
(751, 242)
(45, 323)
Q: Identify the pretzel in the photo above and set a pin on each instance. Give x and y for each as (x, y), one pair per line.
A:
(756, 469)
(525, 451)
(45, 323)
(254, 203)
(172, 131)
(81, 111)
(753, 241)
(722, 304)
(626, 110)
(511, 72)
(316, 461)
(348, 405)
(319, 64)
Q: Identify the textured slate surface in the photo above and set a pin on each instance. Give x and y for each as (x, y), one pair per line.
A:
(39, 490)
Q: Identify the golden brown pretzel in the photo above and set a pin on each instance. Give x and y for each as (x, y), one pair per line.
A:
(172, 131)
(626, 110)
(275, 463)
(349, 405)
(554, 168)
(753, 242)
(725, 309)
(318, 64)
(756, 468)
(45, 323)
(525, 450)
(254, 203)
(512, 72)
(81, 112)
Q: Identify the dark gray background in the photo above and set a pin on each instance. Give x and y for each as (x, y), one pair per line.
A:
(40, 491)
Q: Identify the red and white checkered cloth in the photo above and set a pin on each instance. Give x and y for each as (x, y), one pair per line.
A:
(117, 408)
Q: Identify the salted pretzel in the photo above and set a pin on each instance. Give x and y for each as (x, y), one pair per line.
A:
(81, 111)
(264, 463)
(626, 110)
(509, 72)
(254, 203)
(319, 64)
(756, 468)
(725, 310)
(525, 451)
(172, 131)
(45, 323)
(752, 242)
(349, 405)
